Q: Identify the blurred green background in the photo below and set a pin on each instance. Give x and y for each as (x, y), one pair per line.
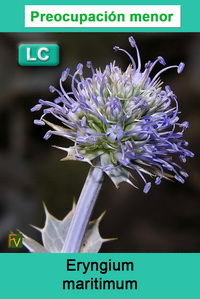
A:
(167, 219)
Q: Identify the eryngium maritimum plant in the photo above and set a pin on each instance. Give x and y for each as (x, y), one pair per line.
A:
(127, 119)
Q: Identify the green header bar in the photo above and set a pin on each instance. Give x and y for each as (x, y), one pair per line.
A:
(13, 16)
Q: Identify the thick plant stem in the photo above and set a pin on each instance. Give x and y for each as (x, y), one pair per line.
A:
(83, 211)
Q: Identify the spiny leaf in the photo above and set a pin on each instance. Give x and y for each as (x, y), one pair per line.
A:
(116, 174)
(92, 241)
(32, 245)
(55, 231)
(56, 127)
(87, 157)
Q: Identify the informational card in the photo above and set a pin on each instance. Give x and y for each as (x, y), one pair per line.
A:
(99, 149)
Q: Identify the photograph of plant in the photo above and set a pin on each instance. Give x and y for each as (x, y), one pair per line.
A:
(125, 114)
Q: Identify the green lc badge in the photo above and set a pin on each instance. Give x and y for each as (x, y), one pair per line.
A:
(38, 55)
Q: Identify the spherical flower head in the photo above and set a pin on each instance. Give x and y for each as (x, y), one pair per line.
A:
(125, 120)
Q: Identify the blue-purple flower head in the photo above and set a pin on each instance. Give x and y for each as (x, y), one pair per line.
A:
(126, 120)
